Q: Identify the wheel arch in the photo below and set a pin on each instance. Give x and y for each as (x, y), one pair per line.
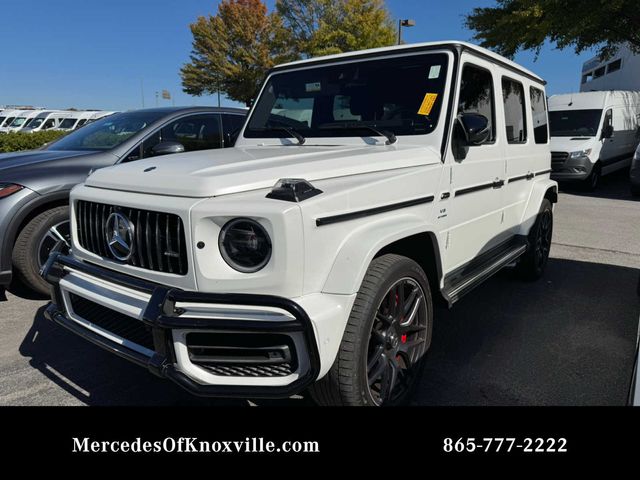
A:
(29, 211)
(542, 189)
(405, 235)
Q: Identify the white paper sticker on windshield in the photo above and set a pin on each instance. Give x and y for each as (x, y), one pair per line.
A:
(313, 87)
(434, 72)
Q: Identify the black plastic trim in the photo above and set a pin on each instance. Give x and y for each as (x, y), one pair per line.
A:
(345, 217)
(520, 177)
(543, 172)
(475, 188)
(162, 316)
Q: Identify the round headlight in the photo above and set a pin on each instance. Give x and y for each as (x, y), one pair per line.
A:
(245, 245)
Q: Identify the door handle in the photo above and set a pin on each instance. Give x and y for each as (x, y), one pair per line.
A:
(498, 183)
(529, 176)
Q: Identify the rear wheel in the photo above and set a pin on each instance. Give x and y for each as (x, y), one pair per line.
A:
(388, 333)
(534, 261)
(35, 242)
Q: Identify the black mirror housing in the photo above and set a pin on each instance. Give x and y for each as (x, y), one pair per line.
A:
(167, 148)
(476, 128)
(607, 131)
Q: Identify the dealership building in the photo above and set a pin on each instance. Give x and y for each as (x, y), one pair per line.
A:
(620, 72)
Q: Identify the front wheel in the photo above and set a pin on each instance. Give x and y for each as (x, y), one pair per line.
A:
(35, 242)
(534, 261)
(388, 333)
(593, 180)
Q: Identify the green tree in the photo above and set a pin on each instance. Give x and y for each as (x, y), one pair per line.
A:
(321, 27)
(514, 25)
(233, 50)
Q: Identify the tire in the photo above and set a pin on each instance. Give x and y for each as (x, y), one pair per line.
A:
(31, 246)
(374, 333)
(593, 180)
(532, 264)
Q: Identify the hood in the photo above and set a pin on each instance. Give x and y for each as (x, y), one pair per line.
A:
(33, 157)
(572, 144)
(220, 172)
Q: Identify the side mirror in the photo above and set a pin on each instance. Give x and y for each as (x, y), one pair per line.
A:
(476, 128)
(607, 131)
(167, 148)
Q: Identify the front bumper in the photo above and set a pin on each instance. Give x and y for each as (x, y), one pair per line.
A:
(169, 324)
(571, 169)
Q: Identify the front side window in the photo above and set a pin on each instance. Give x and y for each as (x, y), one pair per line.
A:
(49, 124)
(476, 95)
(574, 123)
(195, 132)
(402, 95)
(68, 123)
(36, 122)
(539, 115)
(514, 111)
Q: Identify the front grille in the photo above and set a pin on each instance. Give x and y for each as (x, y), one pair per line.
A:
(117, 323)
(558, 159)
(233, 354)
(158, 243)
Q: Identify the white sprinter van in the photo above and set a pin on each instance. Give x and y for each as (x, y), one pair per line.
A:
(593, 134)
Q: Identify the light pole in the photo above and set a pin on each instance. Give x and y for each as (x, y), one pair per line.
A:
(404, 23)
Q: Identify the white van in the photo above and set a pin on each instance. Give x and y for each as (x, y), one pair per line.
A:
(45, 120)
(593, 134)
(7, 118)
(76, 120)
(22, 120)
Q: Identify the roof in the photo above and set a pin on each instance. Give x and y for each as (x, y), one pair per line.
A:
(169, 110)
(417, 46)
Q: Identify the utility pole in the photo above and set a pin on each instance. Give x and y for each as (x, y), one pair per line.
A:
(156, 98)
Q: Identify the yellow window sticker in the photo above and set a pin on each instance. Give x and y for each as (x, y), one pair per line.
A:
(427, 104)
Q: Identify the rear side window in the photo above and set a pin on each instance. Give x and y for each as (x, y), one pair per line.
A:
(539, 115)
(476, 95)
(514, 111)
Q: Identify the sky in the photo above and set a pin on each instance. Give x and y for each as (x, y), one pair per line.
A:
(115, 55)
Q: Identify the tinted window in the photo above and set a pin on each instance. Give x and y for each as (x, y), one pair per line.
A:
(195, 132)
(232, 124)
(614, 66)
(514, 111)
(2, 120)
(107, 133)
(574, 123)
(49, 124)
(81, 122)
(539, 115)
(477, 96)
(402, 95)
(68, 122)
(36, 122)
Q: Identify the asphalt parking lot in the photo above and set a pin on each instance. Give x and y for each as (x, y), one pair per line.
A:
(568, 339)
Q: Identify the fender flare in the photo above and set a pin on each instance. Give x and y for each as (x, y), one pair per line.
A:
(542, 188)
(361, 246)
(12, 231)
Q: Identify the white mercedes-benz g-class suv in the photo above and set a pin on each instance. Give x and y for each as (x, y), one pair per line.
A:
(362, 188)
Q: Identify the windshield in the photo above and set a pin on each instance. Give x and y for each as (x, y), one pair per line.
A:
(68, 123)
(18, 122)
(401, 95)
(36, 122)
(107, 133)
(574, 123)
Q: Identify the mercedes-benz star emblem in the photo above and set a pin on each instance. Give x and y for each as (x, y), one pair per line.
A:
(119, 233)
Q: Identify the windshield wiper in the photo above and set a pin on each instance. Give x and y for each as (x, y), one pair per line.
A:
(391, 138)
(289, 130)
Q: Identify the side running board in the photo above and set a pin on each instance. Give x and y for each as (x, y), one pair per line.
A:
(464, 279)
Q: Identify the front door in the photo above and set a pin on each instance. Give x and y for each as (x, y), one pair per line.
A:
(475, 215)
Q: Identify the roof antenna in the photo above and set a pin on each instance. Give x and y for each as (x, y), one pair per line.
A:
(571, 100)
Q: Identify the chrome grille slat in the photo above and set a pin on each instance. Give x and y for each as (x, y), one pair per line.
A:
(166, 253)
